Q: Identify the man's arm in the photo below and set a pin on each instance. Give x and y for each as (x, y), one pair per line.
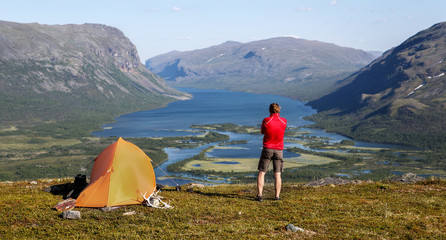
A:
(262, 128)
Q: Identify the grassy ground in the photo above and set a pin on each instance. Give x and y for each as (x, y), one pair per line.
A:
(250, 164)
(370, 210)
(22, 142)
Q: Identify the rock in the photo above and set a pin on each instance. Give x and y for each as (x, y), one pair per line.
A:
(108, 209)
(407, 178)
(199, 185)
(71, 215)
(291, 227)
(33, 183)
(193, 185)
(331, 182)
(129, 213)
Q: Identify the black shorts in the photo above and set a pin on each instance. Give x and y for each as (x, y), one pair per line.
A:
(269, 155)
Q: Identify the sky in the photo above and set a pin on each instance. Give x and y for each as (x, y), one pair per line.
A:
(161, 26)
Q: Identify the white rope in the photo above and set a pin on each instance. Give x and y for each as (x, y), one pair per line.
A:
(164, 172)
(154, 196)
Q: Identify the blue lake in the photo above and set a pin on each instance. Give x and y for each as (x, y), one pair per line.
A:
(227, 162)
(209, 107)
(206, 107)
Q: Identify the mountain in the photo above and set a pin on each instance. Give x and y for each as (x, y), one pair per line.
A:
(69, 72)
(288, 66)
(398, 98)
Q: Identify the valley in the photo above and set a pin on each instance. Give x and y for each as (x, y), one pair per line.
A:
(396, 99)
(293, 67)
(43, 157)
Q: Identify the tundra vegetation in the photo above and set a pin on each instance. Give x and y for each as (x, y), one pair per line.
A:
(367, 210)
(31, 156)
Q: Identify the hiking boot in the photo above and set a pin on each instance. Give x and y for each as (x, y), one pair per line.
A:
(276, 198)
(259, 198)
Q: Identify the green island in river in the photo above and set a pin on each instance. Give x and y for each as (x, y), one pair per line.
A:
(325, 159)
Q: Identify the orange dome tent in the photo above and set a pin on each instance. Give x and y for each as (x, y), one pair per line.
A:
(122, 174)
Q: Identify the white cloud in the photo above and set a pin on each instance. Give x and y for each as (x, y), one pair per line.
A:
(176, 9)
(304, 9)
(334, 2)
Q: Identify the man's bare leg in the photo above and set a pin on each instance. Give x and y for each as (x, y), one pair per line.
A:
(277, 183)
(260, 183)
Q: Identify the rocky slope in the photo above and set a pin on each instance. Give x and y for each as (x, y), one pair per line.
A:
(400, 97)
(60, 72)
(288, 66)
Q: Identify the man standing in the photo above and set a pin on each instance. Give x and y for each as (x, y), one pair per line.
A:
(273, 130)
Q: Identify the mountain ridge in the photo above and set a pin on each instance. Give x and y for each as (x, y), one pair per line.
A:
(402, 93)
(296, 68)
(61, 72)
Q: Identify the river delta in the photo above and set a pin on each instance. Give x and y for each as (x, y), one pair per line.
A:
(309, 153)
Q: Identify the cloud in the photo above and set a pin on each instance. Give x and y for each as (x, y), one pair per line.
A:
(333, 2)
(304, 9)
(175, 9)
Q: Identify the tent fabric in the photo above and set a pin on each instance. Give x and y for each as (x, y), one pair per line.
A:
(122, 174)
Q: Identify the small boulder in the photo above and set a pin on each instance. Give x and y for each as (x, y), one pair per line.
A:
(407, 178)
(292, 228)
(71, 215)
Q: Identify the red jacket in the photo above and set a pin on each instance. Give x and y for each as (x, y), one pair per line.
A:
(273, 128)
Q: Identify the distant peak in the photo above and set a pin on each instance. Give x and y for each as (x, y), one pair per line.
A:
(292, 36)
(232, 42)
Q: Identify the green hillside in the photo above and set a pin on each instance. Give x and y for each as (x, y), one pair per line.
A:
(68, 79)
(398, 98)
